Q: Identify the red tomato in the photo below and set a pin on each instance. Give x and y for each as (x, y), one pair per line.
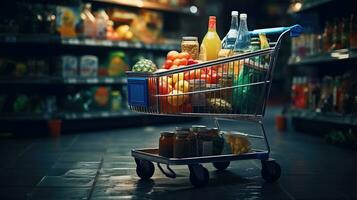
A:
(173, 67)
(191, 61)
(177, 61)
(168, 64)
(213, 78)
(189, 75)
(172, 55)
(183, 61)
(184, 55)
(205, 77)
(164, 87)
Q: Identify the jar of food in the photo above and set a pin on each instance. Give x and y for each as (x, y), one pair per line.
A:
(218, 141)
(198, 99)
(194, 134)
(182, 143)
(166, 144)
(205, 143)
(191, 46)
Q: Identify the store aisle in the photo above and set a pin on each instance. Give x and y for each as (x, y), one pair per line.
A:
(98, 166)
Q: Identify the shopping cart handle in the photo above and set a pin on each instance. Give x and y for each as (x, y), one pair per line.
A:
(295, 30)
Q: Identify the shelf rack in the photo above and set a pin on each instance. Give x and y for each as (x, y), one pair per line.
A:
(151, 5)
(336, 55)
(56, 40)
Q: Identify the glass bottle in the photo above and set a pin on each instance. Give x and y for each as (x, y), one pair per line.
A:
(211, 43)
(243, 40)
(229, 40)
(327, 37)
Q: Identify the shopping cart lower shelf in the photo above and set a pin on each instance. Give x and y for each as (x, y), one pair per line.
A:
(199, 175)
(239, 91)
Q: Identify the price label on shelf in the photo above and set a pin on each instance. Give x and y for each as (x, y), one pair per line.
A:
(109, 80)
(71, 80)
(123, 44)
(73, 41)
(92, 80)
(89, 42)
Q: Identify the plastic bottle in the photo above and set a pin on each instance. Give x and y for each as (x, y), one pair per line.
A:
(101, 24)
(211, 43)
(231, 37)
(243, 40)
(89, 22)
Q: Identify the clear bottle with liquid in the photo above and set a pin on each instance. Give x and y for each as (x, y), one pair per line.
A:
(231, 37)
(211, 43)
(243, 40)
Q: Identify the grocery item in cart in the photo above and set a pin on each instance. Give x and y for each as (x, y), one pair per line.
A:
(238, 142)
(166, 144)
(182, 143)
(218, 141)
(243, 40)
(211, 43)
(89, 66)
(219, 105)
(205, 141)
(144, 65)
(191, 46)
(198, 99)
(229, 40)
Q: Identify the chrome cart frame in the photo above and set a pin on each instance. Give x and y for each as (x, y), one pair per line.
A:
(244, 98)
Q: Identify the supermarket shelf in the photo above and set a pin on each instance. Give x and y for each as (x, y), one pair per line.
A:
(307, 5)
(46, 39)
(333, 118)
(103, 114)
(24, 116)
(149, 5)
(69, 81)
(336, 55)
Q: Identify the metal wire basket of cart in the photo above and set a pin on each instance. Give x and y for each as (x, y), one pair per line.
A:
(234, 87)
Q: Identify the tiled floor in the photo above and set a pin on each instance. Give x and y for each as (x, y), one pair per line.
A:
(98, 166)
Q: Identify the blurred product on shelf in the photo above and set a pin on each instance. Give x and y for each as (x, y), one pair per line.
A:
(117, 64)
(116, 100)
(336, 94)
(68, 66)
(67, 20)
(89, 21)
(229, 40)
(338, 34)
(101, 96)
(88, 66)
(102, 20)
(147, 26)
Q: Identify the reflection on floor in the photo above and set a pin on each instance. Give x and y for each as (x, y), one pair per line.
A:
(98, 166)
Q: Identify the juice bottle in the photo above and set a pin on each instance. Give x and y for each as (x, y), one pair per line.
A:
(211, 43)
(229, 40)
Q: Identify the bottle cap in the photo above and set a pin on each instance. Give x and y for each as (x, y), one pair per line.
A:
(243, 16)
(235, 13)
(212, 17)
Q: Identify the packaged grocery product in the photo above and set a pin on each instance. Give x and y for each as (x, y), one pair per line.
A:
(116, 64)
(211, 43)
(101, 19)
(198, 99)
(147, 26)
(238, 143)
(102, 96)
(89, 21)
(69, 66)
(191, 46)
(243, 40)
(219, 105)
(67, 19)
(88, 66)
(116, 100)
(166, 144)
(229, 40)
(182, 143)
(218, 141)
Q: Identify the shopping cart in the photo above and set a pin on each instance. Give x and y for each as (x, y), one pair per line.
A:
(230, 88)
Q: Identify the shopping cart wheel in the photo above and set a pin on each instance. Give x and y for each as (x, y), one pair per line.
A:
(220, 166)
(271, 170)
(144, 169)
(199, 175)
